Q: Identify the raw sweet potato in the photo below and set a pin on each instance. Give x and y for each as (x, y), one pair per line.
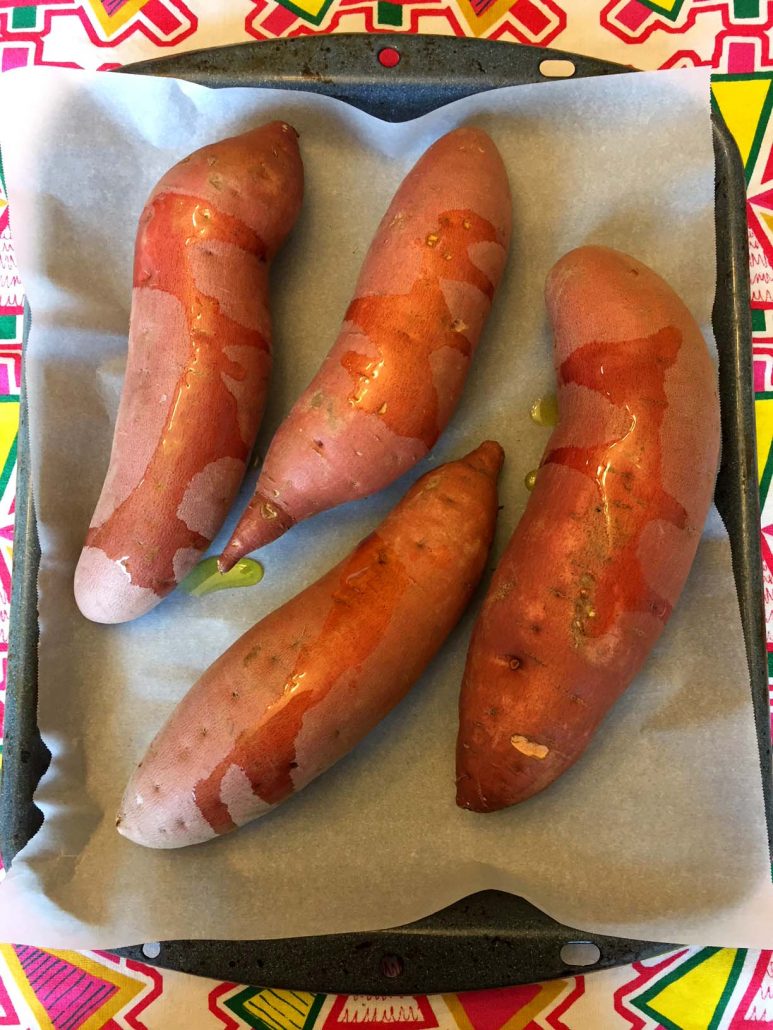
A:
(600, 556)
(197, 370)
(304, 685)
(395, 374)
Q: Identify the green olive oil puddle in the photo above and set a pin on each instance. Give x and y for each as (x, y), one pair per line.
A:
(544, 411)
(205, 579)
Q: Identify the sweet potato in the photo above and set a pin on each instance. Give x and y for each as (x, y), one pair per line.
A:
(309, 681)
(600, 556)
(395, 374)
(197, 370)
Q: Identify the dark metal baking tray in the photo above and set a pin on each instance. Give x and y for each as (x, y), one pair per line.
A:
(491, 939)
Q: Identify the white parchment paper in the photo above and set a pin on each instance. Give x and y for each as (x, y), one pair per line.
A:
(659, 831)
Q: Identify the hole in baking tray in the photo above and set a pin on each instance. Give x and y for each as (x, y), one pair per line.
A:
(388, 57)
(392, 965)
(553, 68)
(151, 950)
(580, 953)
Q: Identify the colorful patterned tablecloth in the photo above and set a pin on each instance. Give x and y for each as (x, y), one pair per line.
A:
(690, 989)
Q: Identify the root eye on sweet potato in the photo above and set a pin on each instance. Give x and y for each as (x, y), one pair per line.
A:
(197, 370)
(307, 683)
(600, 556)
(388, 387)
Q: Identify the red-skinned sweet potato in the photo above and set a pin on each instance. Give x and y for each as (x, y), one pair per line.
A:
(307, 683)
(601, 554)
(197, 369)
(394, 376)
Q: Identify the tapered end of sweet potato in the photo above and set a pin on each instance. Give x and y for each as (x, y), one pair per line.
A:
(469, 796)
(263, 521)
(255, 177)
(159, 807)
(597, 293)
(487, 458)
(491, 792)
(104, 591)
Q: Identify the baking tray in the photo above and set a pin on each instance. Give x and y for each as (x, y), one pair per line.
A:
(490, 939)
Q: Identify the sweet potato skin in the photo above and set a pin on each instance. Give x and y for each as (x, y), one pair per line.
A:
(396, 372)
(197, 370)
(307, 683)
(604, 547)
